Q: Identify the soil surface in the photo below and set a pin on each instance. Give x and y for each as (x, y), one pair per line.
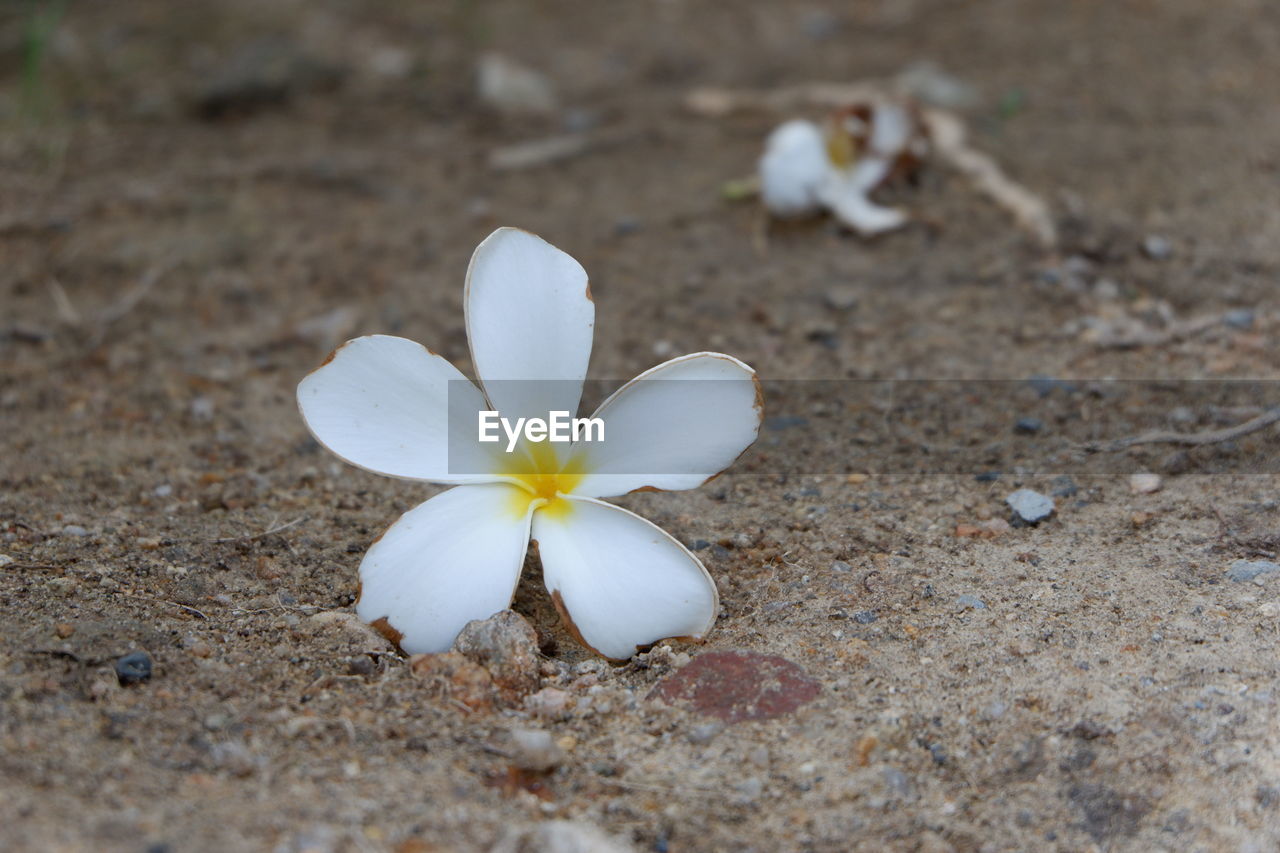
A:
(199, 201)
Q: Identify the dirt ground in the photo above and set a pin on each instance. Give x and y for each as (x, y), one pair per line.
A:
(197, 202)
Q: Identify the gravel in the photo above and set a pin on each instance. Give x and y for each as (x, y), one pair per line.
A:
(1028, 426)
(1243, 571)
(1239, 318)
(1144, 483)
(133, 668)
(1030, 506)
(1063, 487)
(535, 749)
(1157, 248)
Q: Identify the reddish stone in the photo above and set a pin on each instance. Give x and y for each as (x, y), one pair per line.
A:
(737, 686)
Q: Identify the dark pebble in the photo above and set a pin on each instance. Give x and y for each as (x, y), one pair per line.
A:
(133, 668)
(987, 476)
(1063, 487)
(699, 544)
(779, 422)
(360, 665)
(623, 227)
(1028, 426)
(864, 617)
(1046, 385)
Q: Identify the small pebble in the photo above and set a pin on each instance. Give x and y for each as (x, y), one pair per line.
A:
(1028, 426)
(864, 617)
(781, 422)
(549, 703)
(1144, 483)
(1157, 248)
(74, 530)
(1243, 571)
(358, 665)
(507, 646)
(1239, 318)
(64, 629)
(897, 781)
(534, 749)
(1046, 385)
(1030, 506)
(841, 297)
(1063, 487)
(971, 601)
(987, 476)
(133, 668)
(704, 733)
(841, 567)
(626, 225)
(202, 409)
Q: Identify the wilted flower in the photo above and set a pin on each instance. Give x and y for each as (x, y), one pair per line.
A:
(837, 167)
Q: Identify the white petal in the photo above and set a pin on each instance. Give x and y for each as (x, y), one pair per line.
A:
(448, 561)
(865, 175)
(391, 406)
(672, 427)
(529, 320)
(793, 166)
(621, 581)
(848, 201)
(892, 126)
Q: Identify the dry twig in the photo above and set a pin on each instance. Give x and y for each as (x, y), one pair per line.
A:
(1189, 439)
(271, 530)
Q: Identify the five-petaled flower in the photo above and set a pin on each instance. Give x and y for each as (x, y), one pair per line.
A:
(391, 406)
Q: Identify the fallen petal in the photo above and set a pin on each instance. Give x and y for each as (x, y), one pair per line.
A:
(529, 320)
(794, 165)
(446, 562)
(621, 582)
(383, 403)
(673, 427)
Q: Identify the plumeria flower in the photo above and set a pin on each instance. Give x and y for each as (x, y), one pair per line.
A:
(393, 407)
(806, 168)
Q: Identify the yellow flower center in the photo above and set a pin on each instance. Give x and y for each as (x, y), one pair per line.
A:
(543, 479)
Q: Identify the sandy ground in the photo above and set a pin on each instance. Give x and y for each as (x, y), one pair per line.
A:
(196, 206)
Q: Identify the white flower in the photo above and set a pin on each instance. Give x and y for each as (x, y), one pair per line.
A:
(804, 168)
(391, 406)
